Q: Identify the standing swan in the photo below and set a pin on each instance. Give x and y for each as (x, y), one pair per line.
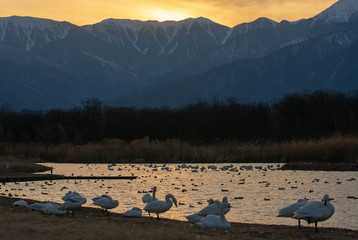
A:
(147, 198)
(215, 221)
(161, 206)
(290, 210)
(105, 202)
(315, 211)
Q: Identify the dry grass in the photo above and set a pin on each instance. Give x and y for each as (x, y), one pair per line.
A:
(336, 149)
(91, 223)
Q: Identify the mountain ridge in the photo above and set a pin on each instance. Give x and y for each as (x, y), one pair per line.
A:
(118, 60)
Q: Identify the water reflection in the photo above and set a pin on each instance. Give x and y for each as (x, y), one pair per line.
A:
(256, 194)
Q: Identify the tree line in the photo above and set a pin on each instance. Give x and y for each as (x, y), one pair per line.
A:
(294, 117)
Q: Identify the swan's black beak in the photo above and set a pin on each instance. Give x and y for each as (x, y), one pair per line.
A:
(176, 204)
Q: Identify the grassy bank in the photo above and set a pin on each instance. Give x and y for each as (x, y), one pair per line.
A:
(338, 149)
(91, 223)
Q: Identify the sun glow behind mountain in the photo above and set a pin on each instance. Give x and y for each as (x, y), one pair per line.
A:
(167, 15)
(226, 12)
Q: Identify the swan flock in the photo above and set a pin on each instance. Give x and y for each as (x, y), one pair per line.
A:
(211, 216)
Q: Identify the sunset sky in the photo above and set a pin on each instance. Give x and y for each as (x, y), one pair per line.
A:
(226, 12)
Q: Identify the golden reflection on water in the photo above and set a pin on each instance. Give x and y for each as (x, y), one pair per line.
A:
(255, 195)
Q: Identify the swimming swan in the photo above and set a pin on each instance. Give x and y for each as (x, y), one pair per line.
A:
(315, 211)
(215, 221)
(161, 206)
(290, 210)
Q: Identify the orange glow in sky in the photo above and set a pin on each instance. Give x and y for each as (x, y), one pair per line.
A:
(226, 12)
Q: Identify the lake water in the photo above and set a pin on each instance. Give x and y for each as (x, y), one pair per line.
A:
(256, 195)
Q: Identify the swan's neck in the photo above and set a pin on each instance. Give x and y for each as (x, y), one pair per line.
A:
(221, 213)
(169, 200)
(153, 196)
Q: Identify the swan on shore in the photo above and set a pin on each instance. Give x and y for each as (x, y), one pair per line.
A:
(212, 209)
(215, 221)
(147, 198)
(133, 213)
(316, 211)
(20, 203)
(158, 207)
(53, 209)
(290, 210)
(70, 206)
(105, 202)
(74, 196)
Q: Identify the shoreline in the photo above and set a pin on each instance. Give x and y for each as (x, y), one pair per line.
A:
(33, 224)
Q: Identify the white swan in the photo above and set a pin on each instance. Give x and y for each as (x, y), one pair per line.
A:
(211, 209)
(20, 203)
(74, 196)
(215, 221)
(193, 218)
(39, 206)
(161, 206)
(105, 202)
(102, 196)
(290, 210)
(147, 198)
(315, 211)
(134, 213)
(214, 208)
(53, 209)
(70, 206)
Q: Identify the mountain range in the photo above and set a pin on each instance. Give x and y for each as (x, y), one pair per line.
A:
(48, 64)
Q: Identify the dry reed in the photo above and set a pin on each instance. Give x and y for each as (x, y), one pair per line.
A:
(336, 149)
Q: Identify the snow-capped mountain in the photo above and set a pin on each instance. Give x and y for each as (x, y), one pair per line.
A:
(158, 38)
(44, 63)
(29, 32)
(343, 11)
